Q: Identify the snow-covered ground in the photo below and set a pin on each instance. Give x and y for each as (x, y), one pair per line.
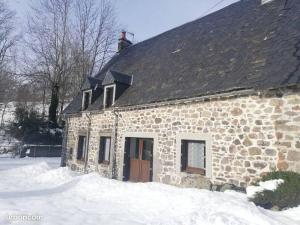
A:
(7, 163)
(38, 193)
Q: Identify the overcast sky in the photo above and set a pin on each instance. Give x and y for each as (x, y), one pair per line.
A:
(146, 18)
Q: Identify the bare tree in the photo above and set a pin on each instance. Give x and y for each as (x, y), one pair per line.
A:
(94, 36)
(7, 36)
(8, 40)
(48, 40)
(8, 87)
(67, 40)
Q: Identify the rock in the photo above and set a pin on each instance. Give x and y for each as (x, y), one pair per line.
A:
(176, 123)
(284, 144)
(228, 168)
(225, 187)
(247, 164)
(282, 165)
(293, 156)
(215, 187)
(232, 187)
(275, 208)
(270, 152)
(247, 142)
(225, 160)
(237, 142)
(260, 165)
(258, 122)
(251, 170)
(254, 151)
(236, 112)
(279, 135)
(158, 120)
(263, 143)
(276, 102)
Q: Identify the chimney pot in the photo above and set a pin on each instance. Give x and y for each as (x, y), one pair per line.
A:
(123, 42)
(123, 35)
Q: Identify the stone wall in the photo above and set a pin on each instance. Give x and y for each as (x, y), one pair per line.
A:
(249, 136)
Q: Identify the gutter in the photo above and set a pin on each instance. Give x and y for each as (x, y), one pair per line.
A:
(64, 143)
(87, 142)
(115, 135)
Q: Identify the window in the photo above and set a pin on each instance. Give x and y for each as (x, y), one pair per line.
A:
(87, 97)
(81, 149)
(193, 156)
(104, 150)
(109, 96)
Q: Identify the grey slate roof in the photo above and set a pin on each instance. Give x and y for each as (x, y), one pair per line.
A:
(245, 45)
(114, 76)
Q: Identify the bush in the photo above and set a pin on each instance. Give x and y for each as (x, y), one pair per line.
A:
(31, 128)
(286, 195)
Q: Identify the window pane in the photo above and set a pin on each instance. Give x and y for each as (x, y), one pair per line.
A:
(104, 150)
(81, 151)
(107, 149)
(86, 100)
(147, 149)
(84, 148)
(196, 154)
(109, 96)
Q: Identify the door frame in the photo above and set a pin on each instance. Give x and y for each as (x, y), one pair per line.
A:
(155, 162)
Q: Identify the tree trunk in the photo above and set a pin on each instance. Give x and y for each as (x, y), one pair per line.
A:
(2, 116)
(54, 104)
(44, 101)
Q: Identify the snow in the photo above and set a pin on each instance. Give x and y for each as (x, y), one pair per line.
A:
(40, 190)
(270, 185)
(20, 163)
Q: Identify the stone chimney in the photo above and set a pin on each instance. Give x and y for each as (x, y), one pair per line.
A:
(123, 42)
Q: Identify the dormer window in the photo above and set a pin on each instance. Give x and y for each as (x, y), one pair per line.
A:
(109, 95)
(86, 99)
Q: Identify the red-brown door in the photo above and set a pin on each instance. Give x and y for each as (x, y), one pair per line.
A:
(140, 164)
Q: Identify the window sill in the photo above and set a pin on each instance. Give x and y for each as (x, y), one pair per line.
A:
(104, 163)
(193, 170)
(80, 161)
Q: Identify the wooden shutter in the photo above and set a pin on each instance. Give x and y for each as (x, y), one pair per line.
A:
(101, 150)
(184, 155)
(80, 148)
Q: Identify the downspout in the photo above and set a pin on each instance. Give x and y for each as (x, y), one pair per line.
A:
(64, 150)
(115, 129)
(87, 143)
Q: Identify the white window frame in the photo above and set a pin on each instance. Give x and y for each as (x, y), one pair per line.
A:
(114, 94)
(207, 138)
(265, 1)
(83, 97)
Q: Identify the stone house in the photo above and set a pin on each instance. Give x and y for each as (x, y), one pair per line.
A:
(216, 100)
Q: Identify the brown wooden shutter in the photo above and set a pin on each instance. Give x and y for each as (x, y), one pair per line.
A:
(101, 150)
(80, 147)
(184, 155)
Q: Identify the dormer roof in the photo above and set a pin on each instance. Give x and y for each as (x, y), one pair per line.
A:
(112, 77)
(91, 83)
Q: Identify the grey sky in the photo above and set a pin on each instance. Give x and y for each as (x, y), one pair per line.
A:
(146, 18)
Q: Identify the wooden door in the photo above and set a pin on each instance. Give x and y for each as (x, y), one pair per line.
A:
(140, 166)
